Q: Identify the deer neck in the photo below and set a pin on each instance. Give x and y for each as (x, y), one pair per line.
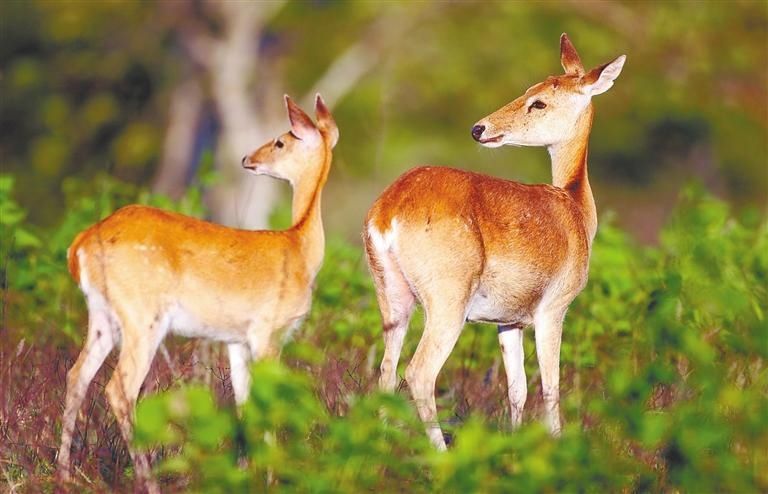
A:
(307, 219)
(569, 170)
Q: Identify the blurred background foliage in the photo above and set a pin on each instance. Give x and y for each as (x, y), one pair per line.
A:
(664, 372)
(87, 88)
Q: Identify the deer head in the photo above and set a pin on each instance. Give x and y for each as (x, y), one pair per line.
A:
(287, 156)
(548, 112)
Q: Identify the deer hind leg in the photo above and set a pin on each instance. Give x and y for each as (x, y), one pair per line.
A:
(139, 345)
(511, 342)
(98, 345)
(549, 331)
(444, 323)
(396, 304)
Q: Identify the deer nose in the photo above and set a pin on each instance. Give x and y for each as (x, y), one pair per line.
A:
(477, 131)
(244, 160)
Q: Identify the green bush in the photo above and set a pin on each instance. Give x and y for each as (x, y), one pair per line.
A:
(663, 363)
(664, 373)
(291, 441)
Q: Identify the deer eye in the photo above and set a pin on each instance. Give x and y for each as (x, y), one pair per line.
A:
(279, 144)
(538, 104)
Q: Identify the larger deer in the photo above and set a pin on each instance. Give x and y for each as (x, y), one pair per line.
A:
(147, 272)
(470, 247)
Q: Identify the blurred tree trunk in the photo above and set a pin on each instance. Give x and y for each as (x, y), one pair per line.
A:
(184, 115)
(242, 201)
(226, 65)
(246, 90)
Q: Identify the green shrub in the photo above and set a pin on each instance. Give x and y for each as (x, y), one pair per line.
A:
(663, 363)
(663, 369)
(290, 441)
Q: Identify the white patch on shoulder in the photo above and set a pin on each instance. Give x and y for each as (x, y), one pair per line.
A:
(383, 241)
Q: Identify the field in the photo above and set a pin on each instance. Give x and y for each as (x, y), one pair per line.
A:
(663, 367)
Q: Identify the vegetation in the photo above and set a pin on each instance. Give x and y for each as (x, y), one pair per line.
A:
(664, 378)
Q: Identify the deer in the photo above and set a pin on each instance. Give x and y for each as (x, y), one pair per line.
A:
(146, 272)
(471, 247)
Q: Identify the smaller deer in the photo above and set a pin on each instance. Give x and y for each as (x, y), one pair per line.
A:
(146, 272)
(469, 247)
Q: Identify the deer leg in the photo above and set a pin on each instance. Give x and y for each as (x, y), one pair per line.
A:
(549, 332)
(441, 332)
(393, 344)
(138, 349)
(98, 344)
(511, 342)
(262, 344)
(239, 357)
(264, 341)
(396, 303)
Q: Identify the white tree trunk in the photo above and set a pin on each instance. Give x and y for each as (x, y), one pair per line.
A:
(240, 200)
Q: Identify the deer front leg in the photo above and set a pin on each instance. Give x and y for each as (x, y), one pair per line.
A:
(549, 332)
(239, 357)
(511, 342)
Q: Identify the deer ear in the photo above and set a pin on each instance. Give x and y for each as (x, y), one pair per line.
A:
(600, 79)
(569, 59)
(301, 125)
(325, 121)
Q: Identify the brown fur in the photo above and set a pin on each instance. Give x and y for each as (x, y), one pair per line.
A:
(468, 246)
(146, 272)
(539, 226)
